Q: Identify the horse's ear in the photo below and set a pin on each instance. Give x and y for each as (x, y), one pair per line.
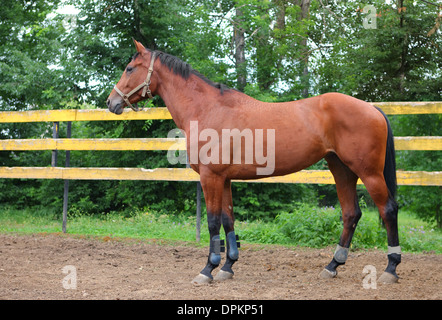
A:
(139, 46)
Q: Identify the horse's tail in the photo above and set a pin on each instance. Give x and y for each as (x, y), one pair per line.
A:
(390, 160)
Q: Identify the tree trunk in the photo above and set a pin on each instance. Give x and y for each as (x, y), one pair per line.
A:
(305, 78)
(265, 59)
(280, 13)
(240, 56)
(404, 51)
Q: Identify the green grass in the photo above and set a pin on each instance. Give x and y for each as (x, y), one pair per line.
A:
(306, 226)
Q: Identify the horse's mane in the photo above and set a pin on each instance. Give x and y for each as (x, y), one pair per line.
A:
(183, 69)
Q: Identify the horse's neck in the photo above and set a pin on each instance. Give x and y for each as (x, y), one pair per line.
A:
(194, 99)
(186, 100)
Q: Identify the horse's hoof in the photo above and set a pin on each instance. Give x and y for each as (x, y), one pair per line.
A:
(223, 275)
(201, 279)
(327, 274)
(388, 278)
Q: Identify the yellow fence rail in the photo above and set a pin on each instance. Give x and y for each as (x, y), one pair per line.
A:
(157, 144)
(143, 144)
(414, 178)
(390, 108)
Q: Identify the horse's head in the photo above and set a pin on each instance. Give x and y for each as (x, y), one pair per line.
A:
(135, 83)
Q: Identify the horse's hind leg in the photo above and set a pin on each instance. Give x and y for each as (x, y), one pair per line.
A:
(345, 181)
(388, 210)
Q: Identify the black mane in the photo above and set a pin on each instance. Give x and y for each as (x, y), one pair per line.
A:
(184, 69)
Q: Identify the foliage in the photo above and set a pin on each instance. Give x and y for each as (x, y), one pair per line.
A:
(261, 202)
(396, 61)
(309, 226)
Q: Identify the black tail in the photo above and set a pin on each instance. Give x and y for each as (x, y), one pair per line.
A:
(390, 160)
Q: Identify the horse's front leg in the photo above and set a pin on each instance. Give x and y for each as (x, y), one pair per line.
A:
(213, 186)
(228, 220)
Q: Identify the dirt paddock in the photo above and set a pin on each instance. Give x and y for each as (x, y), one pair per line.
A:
(42, 267)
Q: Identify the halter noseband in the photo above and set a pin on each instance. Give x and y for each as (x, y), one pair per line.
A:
(144, 85)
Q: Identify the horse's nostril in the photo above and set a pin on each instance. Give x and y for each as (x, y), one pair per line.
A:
(108, 102)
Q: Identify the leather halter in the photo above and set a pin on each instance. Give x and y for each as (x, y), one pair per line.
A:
(144, 86)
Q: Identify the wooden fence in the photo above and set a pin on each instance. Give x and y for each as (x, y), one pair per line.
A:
(422, 178)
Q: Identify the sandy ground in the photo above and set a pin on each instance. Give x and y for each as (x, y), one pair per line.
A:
(44, 266)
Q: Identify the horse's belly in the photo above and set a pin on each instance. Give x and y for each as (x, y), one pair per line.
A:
(284, 162)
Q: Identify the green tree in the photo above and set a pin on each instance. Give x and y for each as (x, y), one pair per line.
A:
(395, 60)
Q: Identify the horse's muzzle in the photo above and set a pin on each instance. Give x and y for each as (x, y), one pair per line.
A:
(114, 107)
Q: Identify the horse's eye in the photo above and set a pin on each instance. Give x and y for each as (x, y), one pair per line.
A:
(129, 69)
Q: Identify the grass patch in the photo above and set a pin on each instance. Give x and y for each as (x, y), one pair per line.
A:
(137, 225)
(305, 226)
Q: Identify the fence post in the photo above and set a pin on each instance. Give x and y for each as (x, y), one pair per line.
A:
(198, 211)
(66, 182)
(55, 130)
(198, 205)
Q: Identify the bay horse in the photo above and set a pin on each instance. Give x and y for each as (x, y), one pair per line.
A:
(353, 136)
